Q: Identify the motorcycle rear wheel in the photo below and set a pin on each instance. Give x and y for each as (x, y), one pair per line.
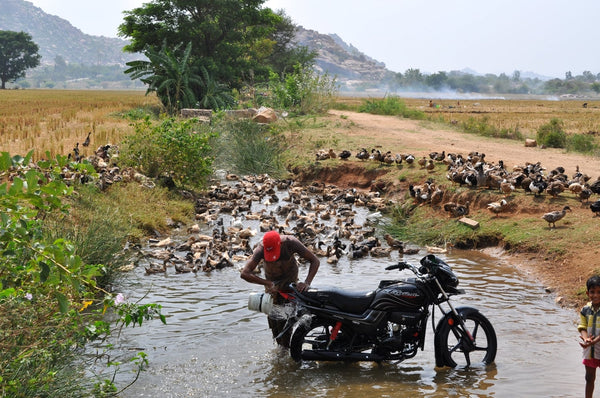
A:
(456, 347)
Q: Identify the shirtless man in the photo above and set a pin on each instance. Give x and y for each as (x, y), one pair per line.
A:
(281, 269)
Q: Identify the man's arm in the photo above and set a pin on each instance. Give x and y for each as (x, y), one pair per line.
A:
(249, 275)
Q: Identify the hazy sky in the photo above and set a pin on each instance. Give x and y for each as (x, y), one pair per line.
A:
(548, 37)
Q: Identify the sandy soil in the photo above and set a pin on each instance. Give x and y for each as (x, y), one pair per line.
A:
(406, 136)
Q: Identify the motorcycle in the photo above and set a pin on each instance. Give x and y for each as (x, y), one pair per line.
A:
(390, 322)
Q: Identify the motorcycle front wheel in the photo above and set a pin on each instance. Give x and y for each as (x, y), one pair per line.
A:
(313, 338)
(476, 344)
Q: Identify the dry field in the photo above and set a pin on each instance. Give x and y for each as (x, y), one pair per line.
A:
(55, 120)
(525, 114)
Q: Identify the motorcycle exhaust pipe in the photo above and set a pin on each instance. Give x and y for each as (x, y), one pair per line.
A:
(312, 355)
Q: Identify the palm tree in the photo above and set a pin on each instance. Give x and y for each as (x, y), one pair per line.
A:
(171, 77)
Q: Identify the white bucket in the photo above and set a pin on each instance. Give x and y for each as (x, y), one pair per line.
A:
(262, 302)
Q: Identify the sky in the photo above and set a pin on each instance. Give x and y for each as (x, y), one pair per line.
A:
(547, 37)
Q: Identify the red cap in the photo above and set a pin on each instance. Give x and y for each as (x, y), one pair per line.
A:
(272, 245)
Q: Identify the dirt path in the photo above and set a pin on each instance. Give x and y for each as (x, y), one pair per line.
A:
(405, 135)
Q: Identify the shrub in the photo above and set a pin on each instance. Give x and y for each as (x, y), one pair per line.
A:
(304, 91)
(175, 149)
(552, 134)
(581, 143)
(391, 106)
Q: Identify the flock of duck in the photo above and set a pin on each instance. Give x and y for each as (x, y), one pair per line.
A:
(335, 222)
(235, 212)
(472, 170)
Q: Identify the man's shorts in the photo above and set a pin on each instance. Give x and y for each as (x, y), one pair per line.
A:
(592, 362)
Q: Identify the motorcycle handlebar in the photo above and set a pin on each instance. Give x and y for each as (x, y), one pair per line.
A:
(400, 266)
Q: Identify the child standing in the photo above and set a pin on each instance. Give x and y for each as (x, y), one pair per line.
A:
(589, 331)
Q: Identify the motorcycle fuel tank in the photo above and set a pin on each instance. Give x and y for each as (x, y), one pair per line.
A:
(398, 296)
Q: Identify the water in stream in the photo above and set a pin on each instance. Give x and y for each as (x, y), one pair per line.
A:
(213, 345)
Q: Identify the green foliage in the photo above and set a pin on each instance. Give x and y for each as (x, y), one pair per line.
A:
(45, 286)
(303, 91)
(17, 54)
(581, 143)
(169, 75)
(214, 95)
(552, 134)
(390, 105)
(249, 148)
(174, 149)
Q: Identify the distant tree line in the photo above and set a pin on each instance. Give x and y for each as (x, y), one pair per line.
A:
(413, 79)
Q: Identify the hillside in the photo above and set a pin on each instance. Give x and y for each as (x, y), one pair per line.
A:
(57, 37)
(343, 60)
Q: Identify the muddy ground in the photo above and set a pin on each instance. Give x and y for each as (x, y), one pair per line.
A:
(564, 275)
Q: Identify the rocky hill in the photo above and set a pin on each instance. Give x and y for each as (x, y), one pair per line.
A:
(57, 37)
(343, 60)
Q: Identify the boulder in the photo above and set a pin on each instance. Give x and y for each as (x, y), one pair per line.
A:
(530, 143)
(192, 112)
(265, 115)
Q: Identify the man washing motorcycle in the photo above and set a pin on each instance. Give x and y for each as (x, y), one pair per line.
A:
(281, 269)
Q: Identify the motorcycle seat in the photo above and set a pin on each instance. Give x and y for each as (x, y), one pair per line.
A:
(347, 301)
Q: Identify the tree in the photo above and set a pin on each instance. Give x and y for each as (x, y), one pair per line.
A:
(285, 55)
(17, 54)
(227, 35)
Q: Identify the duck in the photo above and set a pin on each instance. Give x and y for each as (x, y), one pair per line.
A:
(497, 207)
(86, 142)
(157, 269)
(345, 154)
(461, 210)
(439, 250)
(585, 194)
(422, 162)
(430, 166)
(506, 187)
(436, 196)
(393, 242)
(409, 159)
(363, 154)
(595, 207)
(538, 185)
(449, 206)
(553, 216)
(555, 188)
(380, 251)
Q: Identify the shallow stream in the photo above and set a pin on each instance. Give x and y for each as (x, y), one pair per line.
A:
(214, 346)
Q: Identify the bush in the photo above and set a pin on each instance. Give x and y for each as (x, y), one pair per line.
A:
(552, 134)
(581, 143)
(391, 106)
(175, 149)
(304, 91)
